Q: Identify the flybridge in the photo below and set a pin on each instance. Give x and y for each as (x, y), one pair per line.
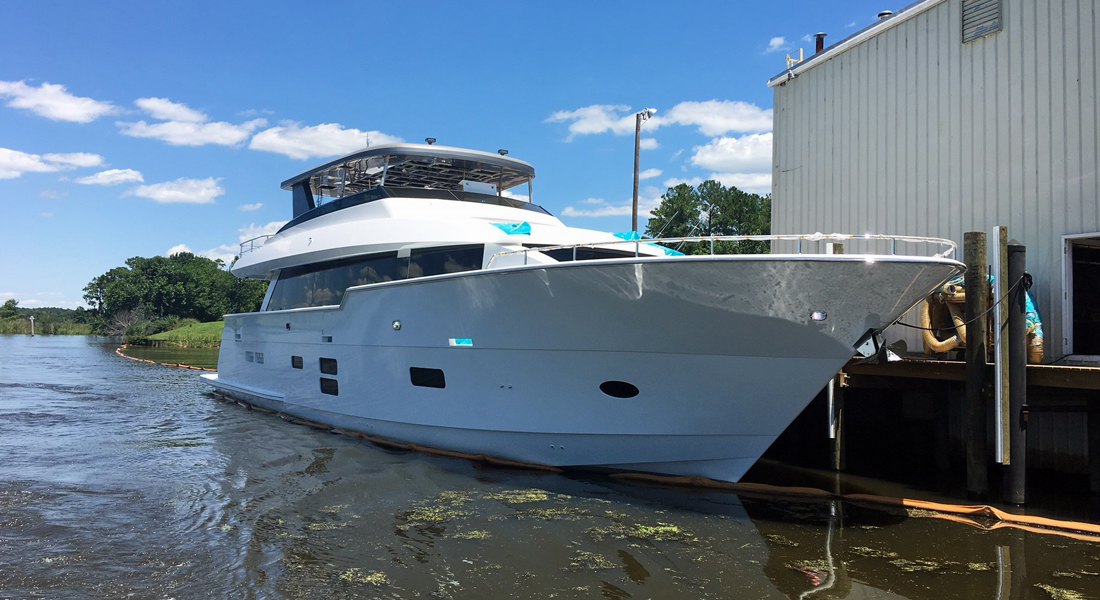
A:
(409, 166)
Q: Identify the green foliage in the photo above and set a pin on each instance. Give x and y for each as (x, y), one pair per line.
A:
(47, 321)
(150, 295)
(712, 209)
(9, 310)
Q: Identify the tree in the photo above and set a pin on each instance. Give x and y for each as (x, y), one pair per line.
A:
(8, 310)
(150, 293)
(711, 209)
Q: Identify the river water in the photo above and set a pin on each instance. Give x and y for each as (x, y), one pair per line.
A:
(120, 479)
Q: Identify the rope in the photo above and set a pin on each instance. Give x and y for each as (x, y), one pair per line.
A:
(953, 328)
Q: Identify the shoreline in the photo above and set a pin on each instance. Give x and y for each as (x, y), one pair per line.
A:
(119, 352)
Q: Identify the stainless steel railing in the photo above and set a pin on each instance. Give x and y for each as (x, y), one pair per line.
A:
(670, 242)
(252, 244)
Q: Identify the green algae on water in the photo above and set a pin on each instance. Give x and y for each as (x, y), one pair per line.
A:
(520, 496)
(475, 534)
(590, 561)
(375, 578)
(872, 552)
(1060, 593)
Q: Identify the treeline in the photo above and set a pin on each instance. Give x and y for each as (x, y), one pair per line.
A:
(51, 320)
(155, 294)
(711, 209)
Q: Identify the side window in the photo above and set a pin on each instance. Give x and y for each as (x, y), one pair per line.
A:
(439, 261)
(324, 284)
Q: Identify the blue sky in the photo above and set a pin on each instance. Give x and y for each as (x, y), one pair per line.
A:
(135, 129)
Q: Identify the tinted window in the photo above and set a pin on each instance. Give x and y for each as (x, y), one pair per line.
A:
(445, 260)
(328, 366)
(323, 284)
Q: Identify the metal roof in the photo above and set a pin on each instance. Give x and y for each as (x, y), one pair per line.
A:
(414, 166)
(853, 40)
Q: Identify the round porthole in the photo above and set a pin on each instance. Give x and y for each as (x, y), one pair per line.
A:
(619, 389)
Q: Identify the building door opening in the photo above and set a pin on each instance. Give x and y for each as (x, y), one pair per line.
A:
(1083, 298)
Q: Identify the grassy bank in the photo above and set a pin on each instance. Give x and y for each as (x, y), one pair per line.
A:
(23, 326)
(193, 335)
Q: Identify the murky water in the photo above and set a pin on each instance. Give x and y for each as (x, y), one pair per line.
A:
(122, 479)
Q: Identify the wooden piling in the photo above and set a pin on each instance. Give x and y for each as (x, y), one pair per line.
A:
(977, 291)
(1093, 433)
(1016, 492)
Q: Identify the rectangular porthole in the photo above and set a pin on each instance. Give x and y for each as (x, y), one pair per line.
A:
(259, 358)
(330, 386)
(423, 377)
(296, 362)
(328, 366)
(249, 356)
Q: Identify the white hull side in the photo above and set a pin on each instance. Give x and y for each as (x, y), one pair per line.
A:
(722, 350)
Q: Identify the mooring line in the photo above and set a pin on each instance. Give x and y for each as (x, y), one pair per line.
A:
(994, 518)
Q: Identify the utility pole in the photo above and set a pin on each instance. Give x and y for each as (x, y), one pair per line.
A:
(640, 117)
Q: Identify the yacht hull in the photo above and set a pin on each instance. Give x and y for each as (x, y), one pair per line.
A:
(722, 351)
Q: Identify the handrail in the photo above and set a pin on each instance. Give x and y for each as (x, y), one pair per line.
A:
(811, 237)
(250, 245)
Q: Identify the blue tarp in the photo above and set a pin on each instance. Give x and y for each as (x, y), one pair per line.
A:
(633, 235)
(523, 228)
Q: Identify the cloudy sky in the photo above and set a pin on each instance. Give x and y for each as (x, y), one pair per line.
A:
(136, 129)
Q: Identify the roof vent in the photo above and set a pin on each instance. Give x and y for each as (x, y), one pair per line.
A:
(886, 14)
(819, 42)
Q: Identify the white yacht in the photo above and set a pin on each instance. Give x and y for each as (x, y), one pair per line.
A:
(416, 298)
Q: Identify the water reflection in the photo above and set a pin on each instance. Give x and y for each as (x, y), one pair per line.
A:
(125, 479)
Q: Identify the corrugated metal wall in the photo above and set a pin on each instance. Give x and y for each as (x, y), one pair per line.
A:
(914, 132)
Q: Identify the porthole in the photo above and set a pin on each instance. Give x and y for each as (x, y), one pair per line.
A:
(330, 386)
(296, 362)
(328, 366)
(619, 389)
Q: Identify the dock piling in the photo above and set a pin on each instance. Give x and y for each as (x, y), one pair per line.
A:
(1017, 375)
(977, 290)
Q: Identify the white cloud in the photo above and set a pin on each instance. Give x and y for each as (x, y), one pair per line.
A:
(850, 25)
(182, 190)
(649, 174)
(75, 159)
(53, 194)
(14, 163)
(748, 153)
(112, 177)
(648, 144)
(166, 110)
(251, 207)
(253, 231)
(757, 183)
(649, 199)
(807, 38)
(718, 117)
(776, 44)
(190, 133)
(326, 139)
(675, 181)
(596, 118)
(225, 253)
(54, 102)
(45, 214)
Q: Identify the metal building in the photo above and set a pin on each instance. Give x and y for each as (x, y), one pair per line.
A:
(953, 116)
